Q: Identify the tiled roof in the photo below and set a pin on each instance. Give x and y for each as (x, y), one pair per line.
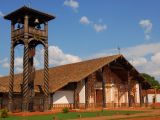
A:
(61, 75)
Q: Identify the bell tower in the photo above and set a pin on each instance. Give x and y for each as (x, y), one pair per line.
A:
(29, 27)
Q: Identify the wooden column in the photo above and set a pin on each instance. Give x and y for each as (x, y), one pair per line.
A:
(46, 28)
(46, 70)
(104, 72)
(51, 100)
(11, 79)
(76, 100)
(25, 67)
(46, 78)
(129, 90)
(146, 97)
(140, 94)
(86, 93)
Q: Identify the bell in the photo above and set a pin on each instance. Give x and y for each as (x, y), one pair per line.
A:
(36, 21)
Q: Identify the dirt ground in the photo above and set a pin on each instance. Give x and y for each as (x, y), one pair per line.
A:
(149, 115)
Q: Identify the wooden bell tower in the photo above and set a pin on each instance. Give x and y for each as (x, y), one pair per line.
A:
(29, 27)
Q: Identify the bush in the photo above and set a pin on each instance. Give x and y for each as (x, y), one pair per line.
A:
(79, 115)
(65, 110)
(55, 118)
(4, 113)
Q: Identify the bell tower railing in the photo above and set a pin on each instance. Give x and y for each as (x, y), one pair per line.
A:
(32, 31)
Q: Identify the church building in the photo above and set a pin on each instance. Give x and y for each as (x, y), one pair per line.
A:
(107, 82)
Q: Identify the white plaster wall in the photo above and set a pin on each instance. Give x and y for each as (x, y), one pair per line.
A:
(112, 92)
(137, 93)
(63, 97)
(122, 98)
(126, 97)
(82, 94)
(150, 98)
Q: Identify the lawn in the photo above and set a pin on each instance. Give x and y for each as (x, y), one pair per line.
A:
(73, 115)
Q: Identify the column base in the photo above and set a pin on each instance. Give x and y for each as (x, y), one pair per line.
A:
(46, 104)
(24, 107)
(104, 105)
(10, 106)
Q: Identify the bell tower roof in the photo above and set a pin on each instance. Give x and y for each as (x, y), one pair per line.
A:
(32, 13)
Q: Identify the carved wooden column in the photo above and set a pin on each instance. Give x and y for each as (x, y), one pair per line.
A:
(76, 95)
(11, 79)
(129, 90)
(104, 72)
(25, 78)
(25, 67)
(140, 94)
(46, 78)
(86, 93)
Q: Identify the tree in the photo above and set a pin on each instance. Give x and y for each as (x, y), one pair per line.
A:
(153, 82)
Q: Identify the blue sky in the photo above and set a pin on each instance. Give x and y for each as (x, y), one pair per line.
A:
(85, 29)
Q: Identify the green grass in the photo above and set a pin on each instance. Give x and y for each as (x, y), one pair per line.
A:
(73, 115)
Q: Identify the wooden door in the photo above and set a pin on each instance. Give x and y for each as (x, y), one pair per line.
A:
(98, 98)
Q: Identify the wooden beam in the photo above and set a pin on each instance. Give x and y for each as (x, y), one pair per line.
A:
(129, 91)
(76, 100)
(104, 72)
(146, 97)
(140, 93)
(86, 93)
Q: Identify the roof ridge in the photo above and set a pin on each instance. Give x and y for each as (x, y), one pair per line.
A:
(87, 60)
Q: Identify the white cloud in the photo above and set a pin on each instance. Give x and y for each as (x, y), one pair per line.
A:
(1, 14)
(5, 65)
(100, 27)
(140, 61)
(3, 60)
(156, 58)
(58, 57)
(36, 62)
(18, 61)
(84, 20)
(151, 68)
(147, 26)
(71, 3)
(19, 69)
(142, 50)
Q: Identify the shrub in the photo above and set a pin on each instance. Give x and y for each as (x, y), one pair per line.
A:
(79, 115)
(55, 118)
(4, 113)
(99, 113)
(65, 110)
